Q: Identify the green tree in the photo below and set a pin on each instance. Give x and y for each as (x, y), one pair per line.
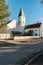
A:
(4, 12)
(29, 33)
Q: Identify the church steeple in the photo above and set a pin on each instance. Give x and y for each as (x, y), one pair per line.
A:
(21, 13)
(21, 20)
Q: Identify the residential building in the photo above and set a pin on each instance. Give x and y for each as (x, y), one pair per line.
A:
(37, 29)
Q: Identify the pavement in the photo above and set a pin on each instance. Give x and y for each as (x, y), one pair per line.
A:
(38, 60)
(18, 54)
(30, 41)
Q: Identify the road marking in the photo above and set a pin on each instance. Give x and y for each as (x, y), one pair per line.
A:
(1, 51)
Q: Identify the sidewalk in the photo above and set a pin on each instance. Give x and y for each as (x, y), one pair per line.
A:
(31, 41)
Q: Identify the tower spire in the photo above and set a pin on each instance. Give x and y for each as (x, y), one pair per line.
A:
(21, 12)
(21, 20)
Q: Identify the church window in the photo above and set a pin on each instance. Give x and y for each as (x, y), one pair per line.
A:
(35, 30)
(36, 34)
(19, 21)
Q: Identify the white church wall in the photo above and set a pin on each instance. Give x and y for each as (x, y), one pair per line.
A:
(9, 31)
(22, 20)
(11, 26)
(17, 27)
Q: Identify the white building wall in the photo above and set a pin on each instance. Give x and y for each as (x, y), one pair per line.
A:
(41, 30)
(17, 27)
(21, 22)
(35, 31)
(11, 26)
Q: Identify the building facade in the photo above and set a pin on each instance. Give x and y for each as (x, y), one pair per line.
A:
(17, 26)
(20, 27)
(37, 29)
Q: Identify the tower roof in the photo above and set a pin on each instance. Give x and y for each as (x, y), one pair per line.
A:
(21, 13)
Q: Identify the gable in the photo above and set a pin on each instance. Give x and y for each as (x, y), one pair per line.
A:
(12, 24)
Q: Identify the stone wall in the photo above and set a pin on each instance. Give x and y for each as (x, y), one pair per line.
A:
(17, 38)
(24, 38)
(5, 36)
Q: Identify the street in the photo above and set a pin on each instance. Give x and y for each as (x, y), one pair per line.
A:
(18, 54)
(37, 61)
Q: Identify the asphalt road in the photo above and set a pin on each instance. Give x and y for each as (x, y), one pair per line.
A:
(11, 55)
(7, 55)
(37, 61)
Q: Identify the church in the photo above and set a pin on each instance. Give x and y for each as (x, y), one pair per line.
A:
(20, 27)
(17, 27)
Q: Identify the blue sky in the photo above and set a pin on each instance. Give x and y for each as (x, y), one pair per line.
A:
(33, 10)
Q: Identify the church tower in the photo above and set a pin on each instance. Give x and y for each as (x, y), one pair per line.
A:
(21, 20)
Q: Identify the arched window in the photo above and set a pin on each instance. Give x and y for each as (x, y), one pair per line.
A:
(19, 21)
(36, 34)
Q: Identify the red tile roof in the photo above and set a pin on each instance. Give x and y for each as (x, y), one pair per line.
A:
(37, 25)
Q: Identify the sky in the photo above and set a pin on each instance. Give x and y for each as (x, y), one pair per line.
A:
(33, 10)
